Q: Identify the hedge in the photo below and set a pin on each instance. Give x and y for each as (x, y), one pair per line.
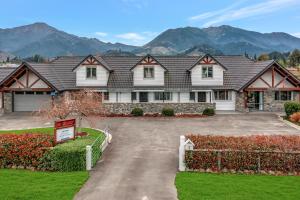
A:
(25, 150)
(137, 112)
(168, 112)
(268, 153)
(291, 108)
(37, 151)
(208, 112)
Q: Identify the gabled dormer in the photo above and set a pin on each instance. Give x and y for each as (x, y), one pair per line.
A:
(148, 72)
(207, 71)
(92, 71)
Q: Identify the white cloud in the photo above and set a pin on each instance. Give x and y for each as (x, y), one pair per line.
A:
(101, 34)
(231, 13)
(296, 34)
(131, 36)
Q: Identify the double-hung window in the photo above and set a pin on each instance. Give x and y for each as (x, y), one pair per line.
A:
(207, 71)
(222, 95)
(106, 96)
(283, 95)
(148, 72)
(91, 72)
(133, 96)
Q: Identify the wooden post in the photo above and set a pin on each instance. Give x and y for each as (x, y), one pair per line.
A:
(219, 160)
(258, 163)
(88, 157)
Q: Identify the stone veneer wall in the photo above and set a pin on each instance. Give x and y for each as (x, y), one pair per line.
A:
(7, 102)
(271, 105)
(239, 102)
(126, 108)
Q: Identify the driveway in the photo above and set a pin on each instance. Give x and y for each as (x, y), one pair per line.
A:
(141, 163)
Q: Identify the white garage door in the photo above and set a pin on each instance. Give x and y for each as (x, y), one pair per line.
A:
(31, 101)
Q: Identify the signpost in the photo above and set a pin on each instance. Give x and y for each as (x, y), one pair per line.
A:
(64, 130)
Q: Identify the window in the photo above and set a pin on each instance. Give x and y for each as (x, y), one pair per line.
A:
(29, 92)
(19, 92)
(133, 96)
(222, 95)
(283, 95)
(91, 72)
(39, 93)
(106, 96)
(192, 96)
(207, 71)
(148, 72)
(159, 96)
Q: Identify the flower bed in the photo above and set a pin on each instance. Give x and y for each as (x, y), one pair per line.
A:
(26, 150)
(178, 115)
(245, 154)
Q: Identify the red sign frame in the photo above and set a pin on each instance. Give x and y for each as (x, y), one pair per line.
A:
(64, 124)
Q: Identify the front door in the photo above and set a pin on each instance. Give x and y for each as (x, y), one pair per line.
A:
(143, 96)
(256, 100)
(201, 96)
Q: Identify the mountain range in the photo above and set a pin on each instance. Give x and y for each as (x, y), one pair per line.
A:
(45, 40)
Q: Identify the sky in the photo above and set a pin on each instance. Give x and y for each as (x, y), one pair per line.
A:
(137, 22)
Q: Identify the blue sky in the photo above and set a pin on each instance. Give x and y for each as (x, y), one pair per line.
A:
(138, 21)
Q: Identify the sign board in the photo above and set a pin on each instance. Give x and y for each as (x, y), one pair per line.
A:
(64, 130)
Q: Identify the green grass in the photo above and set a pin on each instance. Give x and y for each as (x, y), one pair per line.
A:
(203, 186)
(23, 184)
(48, 131)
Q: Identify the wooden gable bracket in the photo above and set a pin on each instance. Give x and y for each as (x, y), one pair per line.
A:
(282, 81)
(34, 82)
(148, 60)
(287, 77)
(207, 60)
(21, 84)
(263, 80)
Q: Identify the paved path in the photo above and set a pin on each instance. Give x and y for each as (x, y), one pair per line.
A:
(141, 163)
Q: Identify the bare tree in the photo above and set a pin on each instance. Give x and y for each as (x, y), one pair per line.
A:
(81, 104)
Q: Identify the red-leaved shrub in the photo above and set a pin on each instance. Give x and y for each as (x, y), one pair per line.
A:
(295, 117)
(25, 150)
(268, 153)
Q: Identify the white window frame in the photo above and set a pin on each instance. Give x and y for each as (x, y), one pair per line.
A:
(145, 73)
(204, 71)
(228, 95)
(90, 76)
(162, 96)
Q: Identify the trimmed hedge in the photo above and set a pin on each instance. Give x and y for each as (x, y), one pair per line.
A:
(26, 150)
(291, 108)
(137, 112)
(168, 112)
(274, 153)
(209, 111)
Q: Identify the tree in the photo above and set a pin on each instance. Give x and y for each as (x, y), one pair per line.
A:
(81, 104)
(263, 57)
(7, 59)
(294, 58)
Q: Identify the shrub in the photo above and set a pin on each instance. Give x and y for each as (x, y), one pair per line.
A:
(291, 107)
(242, 153)
(137, 112)
(209, 111)
(168, 112)
(295, 117)
(26, 150)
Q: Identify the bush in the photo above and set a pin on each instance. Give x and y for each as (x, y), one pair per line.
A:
(137, 112)
(26, 150)
(209, 111)
(242, 153)
(291, 107)
(295, 117)
(168, 112)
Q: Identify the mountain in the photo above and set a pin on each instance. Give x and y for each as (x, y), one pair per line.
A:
(201, 50)
(229, 40)
(40, 38)
(6, 56)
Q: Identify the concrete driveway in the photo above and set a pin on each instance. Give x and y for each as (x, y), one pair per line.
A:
(141, 163)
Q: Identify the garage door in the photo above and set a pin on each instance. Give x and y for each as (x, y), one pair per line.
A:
(31, 101)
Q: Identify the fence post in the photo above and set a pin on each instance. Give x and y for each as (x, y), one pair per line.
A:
(88, 157)
(182, 153)
(219, 160)
(258, 163)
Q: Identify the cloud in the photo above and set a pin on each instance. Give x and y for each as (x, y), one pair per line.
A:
(296, 34)
(231, 13)
(135, 38)
(131, 36)
(101, 34)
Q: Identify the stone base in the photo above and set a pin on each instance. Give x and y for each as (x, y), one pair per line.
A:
(126, 108)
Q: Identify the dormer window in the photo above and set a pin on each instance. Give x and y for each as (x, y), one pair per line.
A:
(91, 73)
(149, 72)
(207, 71)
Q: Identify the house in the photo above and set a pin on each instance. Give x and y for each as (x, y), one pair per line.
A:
(187, 84)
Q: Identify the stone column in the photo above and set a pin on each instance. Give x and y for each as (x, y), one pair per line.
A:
(7, 102)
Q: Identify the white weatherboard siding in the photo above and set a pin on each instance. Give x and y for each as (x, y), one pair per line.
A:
(197, 79)
(226, 105)
(185, 97)
(124, 97)
(101, 80)
(139, 80)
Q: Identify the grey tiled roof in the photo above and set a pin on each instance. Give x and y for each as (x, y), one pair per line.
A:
(240, 71)
(5, 71)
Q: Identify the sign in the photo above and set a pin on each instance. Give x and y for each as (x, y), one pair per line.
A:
(64, 130)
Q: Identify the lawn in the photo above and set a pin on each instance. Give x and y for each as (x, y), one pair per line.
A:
(200, 186)
(23, 184)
